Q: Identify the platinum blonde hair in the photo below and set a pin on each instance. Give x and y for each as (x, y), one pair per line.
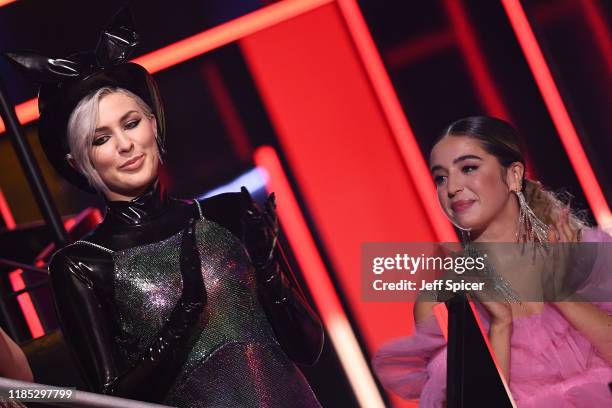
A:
(82, 127)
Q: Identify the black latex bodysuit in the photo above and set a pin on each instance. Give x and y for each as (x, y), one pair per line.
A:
(137, 333)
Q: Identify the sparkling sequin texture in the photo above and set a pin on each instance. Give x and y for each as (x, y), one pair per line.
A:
(236, 361)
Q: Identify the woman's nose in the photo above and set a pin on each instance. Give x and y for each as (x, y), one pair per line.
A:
(124, 143)
(454, 186)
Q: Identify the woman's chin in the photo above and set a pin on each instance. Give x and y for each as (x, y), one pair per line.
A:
(466, 223)
(133, 188)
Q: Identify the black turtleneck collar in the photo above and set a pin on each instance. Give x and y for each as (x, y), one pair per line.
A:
(148, 206)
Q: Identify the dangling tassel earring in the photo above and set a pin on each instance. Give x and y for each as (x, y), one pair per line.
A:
(530, 227)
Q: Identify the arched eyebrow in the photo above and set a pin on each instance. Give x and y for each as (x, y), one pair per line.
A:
(457, 160)
(121, 119)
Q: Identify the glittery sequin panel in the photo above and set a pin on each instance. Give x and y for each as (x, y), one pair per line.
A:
(245, 375)
(235, 340)
(147, 286)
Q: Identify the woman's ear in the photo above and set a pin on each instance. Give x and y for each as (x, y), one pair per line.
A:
(153, 120)
(514, 176)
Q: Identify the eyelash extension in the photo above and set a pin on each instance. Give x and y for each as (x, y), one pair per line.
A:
(437, 179)
(134, 122)
(97, 142)
(129, 125)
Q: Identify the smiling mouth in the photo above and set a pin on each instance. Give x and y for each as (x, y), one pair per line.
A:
(132, 163)
(462, 205)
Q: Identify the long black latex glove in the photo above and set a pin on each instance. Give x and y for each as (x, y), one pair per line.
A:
(260, 229)
(151, 377)
(296, 325)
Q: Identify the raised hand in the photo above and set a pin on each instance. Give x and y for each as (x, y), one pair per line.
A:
(260, 228)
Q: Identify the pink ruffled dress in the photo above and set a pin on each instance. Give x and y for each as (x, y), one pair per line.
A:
(551, 364)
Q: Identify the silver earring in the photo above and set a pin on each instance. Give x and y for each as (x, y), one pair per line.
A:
(530, 228)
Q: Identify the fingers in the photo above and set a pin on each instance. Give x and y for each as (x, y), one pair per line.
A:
(248, 204)
(271, 203)
(270, 213)
(254, 215)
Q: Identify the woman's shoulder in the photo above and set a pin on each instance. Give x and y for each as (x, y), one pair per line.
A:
(82, 260)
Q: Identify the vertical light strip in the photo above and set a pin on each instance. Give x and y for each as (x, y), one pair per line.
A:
(601, 32)
(392, 109)
(227, 111)
(6, 212)
(474, 59)
(318, 281)
(26, 305)
(558, 112)
(422, 47)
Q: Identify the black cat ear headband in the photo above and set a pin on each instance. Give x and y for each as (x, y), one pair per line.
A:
(65, 81)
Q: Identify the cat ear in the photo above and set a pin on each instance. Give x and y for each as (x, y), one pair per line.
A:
(44, 69)
(118, 40)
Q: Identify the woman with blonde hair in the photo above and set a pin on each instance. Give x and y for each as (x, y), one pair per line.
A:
(183, 302)
(551, 353)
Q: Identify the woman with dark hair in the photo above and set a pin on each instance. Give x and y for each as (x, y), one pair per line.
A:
(550, 353)
(187, 303)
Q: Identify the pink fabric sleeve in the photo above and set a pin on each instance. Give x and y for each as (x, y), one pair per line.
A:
(409, 365)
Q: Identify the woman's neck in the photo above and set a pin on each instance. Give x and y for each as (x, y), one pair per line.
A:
(112, 196)
(147, 206)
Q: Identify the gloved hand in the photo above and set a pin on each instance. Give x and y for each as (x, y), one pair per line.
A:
(152, 375)
(260, 229)
(194, 290)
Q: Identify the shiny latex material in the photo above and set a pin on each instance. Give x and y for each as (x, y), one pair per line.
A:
(65, 81)
(86, 285)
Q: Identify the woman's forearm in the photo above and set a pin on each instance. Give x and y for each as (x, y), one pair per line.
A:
(594, 323)
(296, 326)
(499, 338)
